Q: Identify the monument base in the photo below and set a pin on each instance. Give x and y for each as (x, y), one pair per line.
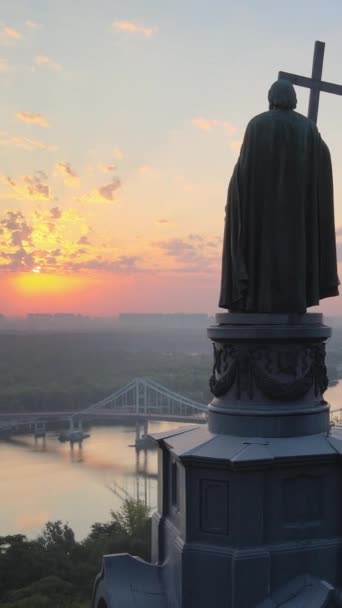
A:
(242, 523)
(249, 505)
(269, 375)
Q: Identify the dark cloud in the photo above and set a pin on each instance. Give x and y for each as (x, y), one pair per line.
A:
(8, 180)
(193, 254)
(16, 227)
(214, 243)
(18, 260)
(83, 240)
(180, 249)
(36, 186)
(29, 187)
(69, 175)
(128, 261)
(103, 194)
(108, 168)
(124, 264)
(42, 175)
(196, 237)
(56, 212)
(109, 190)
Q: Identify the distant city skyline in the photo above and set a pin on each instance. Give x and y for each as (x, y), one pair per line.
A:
(121, 125)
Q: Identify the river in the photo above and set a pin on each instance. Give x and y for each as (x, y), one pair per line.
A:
(50, 481)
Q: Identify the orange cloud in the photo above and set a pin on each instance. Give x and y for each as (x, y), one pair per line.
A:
(32, 117)
(70, 177)
(44, 60)
(207, 124)
(134, 28)
(9, 35)
(24, 142)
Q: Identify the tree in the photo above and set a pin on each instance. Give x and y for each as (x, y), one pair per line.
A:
(55, 534)
(56, 571)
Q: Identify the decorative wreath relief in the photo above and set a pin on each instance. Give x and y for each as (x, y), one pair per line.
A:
(280, 372)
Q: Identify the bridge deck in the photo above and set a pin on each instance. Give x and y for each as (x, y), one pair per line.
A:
(27, 418)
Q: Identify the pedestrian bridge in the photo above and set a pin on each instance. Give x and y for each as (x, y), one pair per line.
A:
(141, 399)
(148, 399)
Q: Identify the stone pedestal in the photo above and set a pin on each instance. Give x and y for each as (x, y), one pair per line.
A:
(250, 505)
(269, 375)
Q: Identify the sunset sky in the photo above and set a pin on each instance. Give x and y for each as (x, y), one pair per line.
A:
(121, 122)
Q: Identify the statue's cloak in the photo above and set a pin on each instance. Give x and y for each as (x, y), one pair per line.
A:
(279, 252)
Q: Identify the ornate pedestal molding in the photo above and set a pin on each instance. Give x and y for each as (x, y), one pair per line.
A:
(271, 367)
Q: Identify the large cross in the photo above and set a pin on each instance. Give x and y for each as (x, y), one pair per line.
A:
(314, 83)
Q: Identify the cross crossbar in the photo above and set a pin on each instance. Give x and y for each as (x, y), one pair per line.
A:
(303, 81)
(315, 83)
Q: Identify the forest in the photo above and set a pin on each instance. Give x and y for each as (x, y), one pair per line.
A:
(56, 571)
(56, 372)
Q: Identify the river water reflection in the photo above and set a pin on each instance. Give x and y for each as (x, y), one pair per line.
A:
(48, 482)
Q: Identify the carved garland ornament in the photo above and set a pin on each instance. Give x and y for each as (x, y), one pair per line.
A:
(281, 374)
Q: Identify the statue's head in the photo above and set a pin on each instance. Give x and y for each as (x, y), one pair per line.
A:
(282, 96)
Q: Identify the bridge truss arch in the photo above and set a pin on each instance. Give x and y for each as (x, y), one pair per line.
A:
(147, 397)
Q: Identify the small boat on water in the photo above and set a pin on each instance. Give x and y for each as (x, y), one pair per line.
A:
(72, 436)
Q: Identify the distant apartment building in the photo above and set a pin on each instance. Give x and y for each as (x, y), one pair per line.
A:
(57, 316)
(164, 320)
(55, 321)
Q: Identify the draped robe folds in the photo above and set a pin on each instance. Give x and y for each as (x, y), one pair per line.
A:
(279, 251)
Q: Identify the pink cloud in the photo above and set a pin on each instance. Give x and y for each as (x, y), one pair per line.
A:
(10, 33)
(134, 28)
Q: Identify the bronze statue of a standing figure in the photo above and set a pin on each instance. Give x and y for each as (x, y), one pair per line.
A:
(279, 253)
